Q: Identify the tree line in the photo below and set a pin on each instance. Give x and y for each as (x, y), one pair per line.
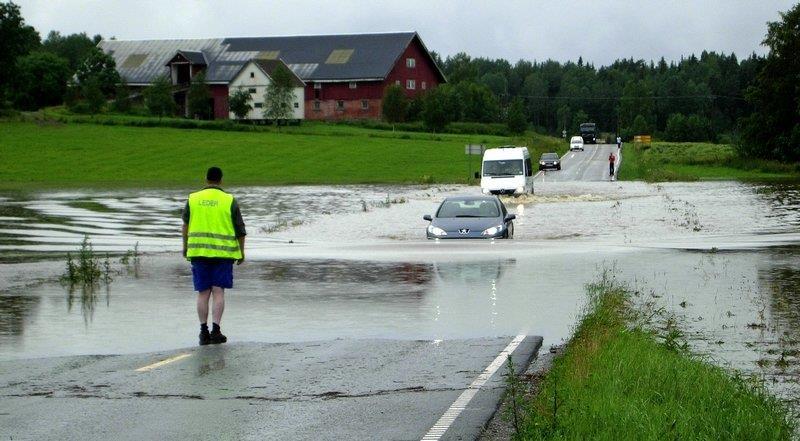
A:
(753, 102)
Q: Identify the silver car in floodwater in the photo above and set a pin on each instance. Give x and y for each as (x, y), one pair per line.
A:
(471, 217)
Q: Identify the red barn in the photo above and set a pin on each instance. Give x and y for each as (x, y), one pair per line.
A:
(345, 75)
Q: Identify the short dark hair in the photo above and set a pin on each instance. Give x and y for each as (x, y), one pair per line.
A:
(214, 174)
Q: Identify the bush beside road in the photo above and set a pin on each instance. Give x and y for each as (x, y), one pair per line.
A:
(619, 380)
(691, 161)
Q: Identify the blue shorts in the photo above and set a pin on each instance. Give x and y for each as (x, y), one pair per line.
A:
(212, 272)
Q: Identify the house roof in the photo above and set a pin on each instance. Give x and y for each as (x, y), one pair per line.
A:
(311, 58)
(194, 57)
(269, 66)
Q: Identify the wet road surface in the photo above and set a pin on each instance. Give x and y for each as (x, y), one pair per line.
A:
(351, 263)
(331, 390)
(588, 165)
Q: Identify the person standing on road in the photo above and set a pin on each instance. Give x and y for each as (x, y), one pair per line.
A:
(213, 239)
(611, 160)
(619, 142)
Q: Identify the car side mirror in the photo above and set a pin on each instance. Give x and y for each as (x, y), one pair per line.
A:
(427, 217)
(510, 217)
(477, 175)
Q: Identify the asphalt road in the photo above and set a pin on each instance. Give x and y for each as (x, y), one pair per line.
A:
(340, 389)
(588, 165)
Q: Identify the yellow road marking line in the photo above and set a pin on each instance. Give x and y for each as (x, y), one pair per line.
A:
(150, 367)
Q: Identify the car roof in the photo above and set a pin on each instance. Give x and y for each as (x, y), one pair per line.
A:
(550, 154)
(576, 138)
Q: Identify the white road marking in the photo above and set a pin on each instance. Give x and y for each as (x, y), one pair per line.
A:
(150, 367)
(455, 409)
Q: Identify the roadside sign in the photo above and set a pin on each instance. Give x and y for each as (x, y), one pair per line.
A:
(564, 134)
(474, 149)
(646, 139)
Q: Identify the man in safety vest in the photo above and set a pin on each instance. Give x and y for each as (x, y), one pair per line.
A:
(213, 238)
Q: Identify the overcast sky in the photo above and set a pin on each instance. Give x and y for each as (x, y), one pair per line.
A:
(600, 31)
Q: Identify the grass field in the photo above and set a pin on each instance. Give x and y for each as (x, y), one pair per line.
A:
(670, 161)
(617, 381)
(49, 154)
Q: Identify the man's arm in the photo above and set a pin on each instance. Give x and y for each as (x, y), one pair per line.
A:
(238, 227)
(185, 234)
(185, 228)
(241, 247)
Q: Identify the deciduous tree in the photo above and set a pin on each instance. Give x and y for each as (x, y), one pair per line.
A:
(279, 96)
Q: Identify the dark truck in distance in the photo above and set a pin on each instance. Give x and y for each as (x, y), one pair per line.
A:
(589, 133)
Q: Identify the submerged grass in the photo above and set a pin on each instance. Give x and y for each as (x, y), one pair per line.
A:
(618, 381)
(692, 161)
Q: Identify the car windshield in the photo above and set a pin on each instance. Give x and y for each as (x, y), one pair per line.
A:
(502, 168)
(549, 156)
(577, 140)
(468, 208)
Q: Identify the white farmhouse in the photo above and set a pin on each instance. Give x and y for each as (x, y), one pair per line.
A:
(254, 77)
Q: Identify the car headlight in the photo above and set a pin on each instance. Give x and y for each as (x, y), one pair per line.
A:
(485, 190)
(492, 231)
(555, 162)
(541, 162)
(436, 231)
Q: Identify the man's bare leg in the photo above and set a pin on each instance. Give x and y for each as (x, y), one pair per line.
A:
(202, 305)
(219, 303)
(217, 307)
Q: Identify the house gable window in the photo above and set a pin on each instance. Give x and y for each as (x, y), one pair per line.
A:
(353, 85)
(296, 105)
(252, 74)
(252, 90)
(411, 84)
(411, 63)
(258, 105)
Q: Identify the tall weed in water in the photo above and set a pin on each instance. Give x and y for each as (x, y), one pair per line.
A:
(85, 268)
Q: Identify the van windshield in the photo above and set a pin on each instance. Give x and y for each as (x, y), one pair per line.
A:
(509, 167)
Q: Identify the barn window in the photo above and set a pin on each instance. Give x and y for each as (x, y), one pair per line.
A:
(411, 84)
(339, 105)
(397, 82)
(252, 74)
(353, 85)
(258, 105)
(252, 90)
(423, 85)
(317, 85)
(316, 105)
(411, 63)
(364, 104)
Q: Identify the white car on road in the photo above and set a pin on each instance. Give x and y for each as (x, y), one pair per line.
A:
(576, 143)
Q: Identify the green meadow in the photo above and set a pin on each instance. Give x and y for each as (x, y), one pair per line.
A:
(52, 154)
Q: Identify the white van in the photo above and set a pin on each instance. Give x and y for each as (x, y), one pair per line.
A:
(507, 170)
(576, 143)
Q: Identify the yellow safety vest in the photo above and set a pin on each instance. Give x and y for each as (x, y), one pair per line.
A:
(211, 232)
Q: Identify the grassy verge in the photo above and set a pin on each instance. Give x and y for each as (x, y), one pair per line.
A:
(51, 154)
(617, 381)
(665, 161)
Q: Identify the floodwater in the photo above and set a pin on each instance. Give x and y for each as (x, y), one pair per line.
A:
(352, 262)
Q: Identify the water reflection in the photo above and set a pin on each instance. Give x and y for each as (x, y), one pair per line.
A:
(88, 295)
(478, 273)
(15, 312)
